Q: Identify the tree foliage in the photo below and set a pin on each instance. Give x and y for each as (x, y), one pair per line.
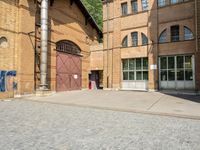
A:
(95, 9)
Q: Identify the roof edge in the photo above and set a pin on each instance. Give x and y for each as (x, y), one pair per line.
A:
(88, 16)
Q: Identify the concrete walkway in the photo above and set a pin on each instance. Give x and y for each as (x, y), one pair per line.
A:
(187, 106)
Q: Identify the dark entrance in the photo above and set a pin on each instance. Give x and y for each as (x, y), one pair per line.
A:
(68, 66)
(96, 79)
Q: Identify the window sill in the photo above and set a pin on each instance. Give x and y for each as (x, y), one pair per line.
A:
(132, 14)
(134, 46)
(174, 4)
(177, 41)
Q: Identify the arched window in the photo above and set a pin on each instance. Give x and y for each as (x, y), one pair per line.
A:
(163, 37)
(68, 47)
(144, 39)
(125, 42)
(3, 42)
(188, 35)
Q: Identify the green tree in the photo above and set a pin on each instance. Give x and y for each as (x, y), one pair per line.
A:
(94, 7)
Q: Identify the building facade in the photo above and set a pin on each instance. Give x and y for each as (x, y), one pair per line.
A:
(151, 44)
(71, 34)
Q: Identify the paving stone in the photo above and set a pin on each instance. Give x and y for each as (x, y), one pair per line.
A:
(35, 125)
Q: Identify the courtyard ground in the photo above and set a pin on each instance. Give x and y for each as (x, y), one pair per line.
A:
(62, 122)
(187, 106)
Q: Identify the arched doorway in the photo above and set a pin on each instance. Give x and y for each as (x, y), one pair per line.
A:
(68, 66)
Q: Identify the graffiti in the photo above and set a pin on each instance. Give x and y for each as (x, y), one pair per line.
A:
(6, 80)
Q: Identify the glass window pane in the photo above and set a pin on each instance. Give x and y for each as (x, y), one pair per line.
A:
(171, 75)
(131, 64)
(174, 33)
(161, 3)
(179, 62)
(125, 64)
(125, 42)
(124, 9)
(131, 76)
(188, 74)
(145, 75)
(144, 39)
(174, 1)
(134, 36)
(138, 64)
(125, 75)
(145, 63)
(188, 61)
(171, 62)
(139, 75)
(134, 6)
(163, 62)
(188, 35)
(180, 74)
(163, 75)
(163, 37)
(144, 5)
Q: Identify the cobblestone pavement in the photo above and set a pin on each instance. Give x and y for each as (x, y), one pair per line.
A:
(27, 125)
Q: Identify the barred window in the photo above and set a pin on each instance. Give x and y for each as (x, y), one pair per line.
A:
(68, 47)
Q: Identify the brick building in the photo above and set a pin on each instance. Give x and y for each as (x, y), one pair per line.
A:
(71, 34)
(150, 45)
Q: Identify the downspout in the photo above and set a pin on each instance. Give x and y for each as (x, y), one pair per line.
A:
(196, 28)
(44, 44)
(107, 13)
(196, 44)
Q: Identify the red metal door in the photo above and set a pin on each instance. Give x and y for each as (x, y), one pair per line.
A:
(68, 71)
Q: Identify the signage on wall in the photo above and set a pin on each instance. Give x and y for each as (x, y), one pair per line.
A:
(153, 67)
(75, 76)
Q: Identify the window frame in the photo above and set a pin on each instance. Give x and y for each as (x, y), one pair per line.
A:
(124, 12)
(134, 70)
(145, 5)
(185, 35)
(161, 36)
(175, 37)
(125, 39)
(163, 2)
(133, 8)
(144, 37)
(136, 39)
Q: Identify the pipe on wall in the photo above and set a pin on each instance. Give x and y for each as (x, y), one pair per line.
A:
(44, 44)
(107, 24)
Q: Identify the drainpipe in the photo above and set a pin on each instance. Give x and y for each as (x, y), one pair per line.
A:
(107, 23)
(44, 44)
(197, 46)
(196, 25)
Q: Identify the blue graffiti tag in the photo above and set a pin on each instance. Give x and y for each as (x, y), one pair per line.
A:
(3, 75)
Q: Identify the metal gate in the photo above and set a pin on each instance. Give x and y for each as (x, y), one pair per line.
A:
(68, 67)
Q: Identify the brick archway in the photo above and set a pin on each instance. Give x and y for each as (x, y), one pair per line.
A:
(68, 66)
